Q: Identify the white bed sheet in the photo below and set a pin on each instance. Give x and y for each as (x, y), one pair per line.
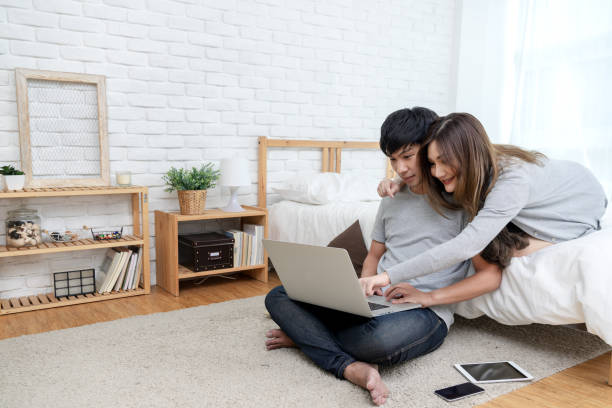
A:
(570, 282)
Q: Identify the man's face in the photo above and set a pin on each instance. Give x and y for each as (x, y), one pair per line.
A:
(406, 164)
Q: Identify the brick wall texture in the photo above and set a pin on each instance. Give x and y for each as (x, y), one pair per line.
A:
(192, 81)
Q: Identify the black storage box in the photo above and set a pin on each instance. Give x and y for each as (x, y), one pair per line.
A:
(206, 252)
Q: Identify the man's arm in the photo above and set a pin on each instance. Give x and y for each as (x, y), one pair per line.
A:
(370, 264)
(486, 279)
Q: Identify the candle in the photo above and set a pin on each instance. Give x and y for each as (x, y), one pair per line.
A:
(124, 178)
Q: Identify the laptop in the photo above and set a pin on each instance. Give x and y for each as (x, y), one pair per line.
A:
(325, 276)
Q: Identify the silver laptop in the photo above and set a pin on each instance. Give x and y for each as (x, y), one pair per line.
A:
(325, 276)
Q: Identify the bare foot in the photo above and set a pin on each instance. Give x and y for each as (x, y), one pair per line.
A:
(278, 339)
(367, 376)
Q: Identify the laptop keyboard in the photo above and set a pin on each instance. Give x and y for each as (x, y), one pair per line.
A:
(376, 306)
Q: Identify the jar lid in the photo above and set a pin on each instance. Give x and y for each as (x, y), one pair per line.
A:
(22, 212)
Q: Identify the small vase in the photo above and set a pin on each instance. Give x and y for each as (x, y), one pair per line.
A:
(14, 182)
(192, 202)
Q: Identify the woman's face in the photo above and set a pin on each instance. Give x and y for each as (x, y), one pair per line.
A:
(440, 169)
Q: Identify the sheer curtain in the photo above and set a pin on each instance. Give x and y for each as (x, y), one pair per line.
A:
(555, 78)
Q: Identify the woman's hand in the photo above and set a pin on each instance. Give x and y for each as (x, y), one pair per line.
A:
(406, 293)
(388, 187)
(371, 284)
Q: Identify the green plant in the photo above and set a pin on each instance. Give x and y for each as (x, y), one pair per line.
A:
(10, 171)
(194, 179)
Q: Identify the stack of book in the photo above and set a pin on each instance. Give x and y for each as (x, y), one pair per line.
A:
(121, 269)
(248, 245)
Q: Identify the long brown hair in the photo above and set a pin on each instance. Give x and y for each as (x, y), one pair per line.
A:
(465, 146)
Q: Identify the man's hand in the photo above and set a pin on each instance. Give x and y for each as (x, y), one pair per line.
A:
(388, 187)
(406, 293)
(371, 284)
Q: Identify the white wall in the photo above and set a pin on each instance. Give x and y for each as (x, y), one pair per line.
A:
(192, 81)
(483, 51)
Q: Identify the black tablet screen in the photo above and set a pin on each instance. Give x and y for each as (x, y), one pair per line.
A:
(492, 371)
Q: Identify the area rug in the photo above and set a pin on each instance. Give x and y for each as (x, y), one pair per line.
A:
(214, 356)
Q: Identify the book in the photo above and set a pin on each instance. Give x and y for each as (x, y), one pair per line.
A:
(245, 246)
(257, 232)
(129, 277)
(117, 271)
(138, 271)
(110, 275)
(108, 264)
(260, 248)
(249, 247)
(124, 269)
(237, 235)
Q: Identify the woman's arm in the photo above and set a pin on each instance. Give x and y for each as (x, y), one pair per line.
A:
(389, 187)
(505, 200)
(486, 279)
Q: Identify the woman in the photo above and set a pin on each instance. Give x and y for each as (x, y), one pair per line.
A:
(533, 201)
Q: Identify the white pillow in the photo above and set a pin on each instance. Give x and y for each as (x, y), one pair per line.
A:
(324, 188)
(359, 188)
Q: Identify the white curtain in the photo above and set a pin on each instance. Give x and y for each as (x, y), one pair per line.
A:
(555, 78)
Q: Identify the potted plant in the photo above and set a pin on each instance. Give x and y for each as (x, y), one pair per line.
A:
(14, 179)
(191, 186)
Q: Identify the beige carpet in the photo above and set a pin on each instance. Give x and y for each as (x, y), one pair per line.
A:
(213, 356)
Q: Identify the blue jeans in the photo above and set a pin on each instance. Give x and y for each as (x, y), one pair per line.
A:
(333, 339)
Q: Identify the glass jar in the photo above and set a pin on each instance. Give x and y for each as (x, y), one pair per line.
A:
(23, 228)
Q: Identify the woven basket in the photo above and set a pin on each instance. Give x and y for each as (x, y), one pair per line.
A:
(192, 202)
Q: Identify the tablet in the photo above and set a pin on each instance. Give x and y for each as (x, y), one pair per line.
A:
(491, 372)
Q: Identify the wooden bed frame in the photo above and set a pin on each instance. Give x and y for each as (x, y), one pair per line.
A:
(331, 157)
(331, 154)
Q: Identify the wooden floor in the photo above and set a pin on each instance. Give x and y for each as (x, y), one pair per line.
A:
(582, 386)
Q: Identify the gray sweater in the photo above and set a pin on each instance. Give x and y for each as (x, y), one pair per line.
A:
(408, 225)
(558, 201)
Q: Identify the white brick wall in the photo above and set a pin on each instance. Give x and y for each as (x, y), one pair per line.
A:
(193, 81)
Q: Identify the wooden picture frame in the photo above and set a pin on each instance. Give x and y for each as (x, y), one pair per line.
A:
(22, 76)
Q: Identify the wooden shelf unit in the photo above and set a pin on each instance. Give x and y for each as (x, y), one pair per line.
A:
(170, 273)
(140, 237)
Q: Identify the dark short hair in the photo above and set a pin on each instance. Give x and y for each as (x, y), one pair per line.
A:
(405, 127)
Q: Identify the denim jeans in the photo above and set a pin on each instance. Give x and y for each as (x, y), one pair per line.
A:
(334, 339)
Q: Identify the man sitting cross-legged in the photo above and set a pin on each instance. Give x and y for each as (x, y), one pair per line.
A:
(353, 347)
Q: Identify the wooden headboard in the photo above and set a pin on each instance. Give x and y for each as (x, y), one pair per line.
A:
(331, 158)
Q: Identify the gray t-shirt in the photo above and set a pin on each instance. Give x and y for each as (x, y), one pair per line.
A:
(558, 201)
(409, 226)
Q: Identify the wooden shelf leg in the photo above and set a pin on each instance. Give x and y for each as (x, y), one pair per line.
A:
(136, 213)
(144, 208)
(260, 274)
(610, 375)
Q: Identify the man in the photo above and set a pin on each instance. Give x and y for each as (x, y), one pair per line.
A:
(352, 347)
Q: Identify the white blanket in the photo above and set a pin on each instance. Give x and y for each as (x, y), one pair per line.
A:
(570, 282)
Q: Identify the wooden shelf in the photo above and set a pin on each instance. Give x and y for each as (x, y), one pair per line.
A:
(80, 245)
(47, 300)
(186, 273)
(70, 191)
(140, 237)
(216, 214)
(170, 273)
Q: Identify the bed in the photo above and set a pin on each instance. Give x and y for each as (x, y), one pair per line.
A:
(566, 283)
